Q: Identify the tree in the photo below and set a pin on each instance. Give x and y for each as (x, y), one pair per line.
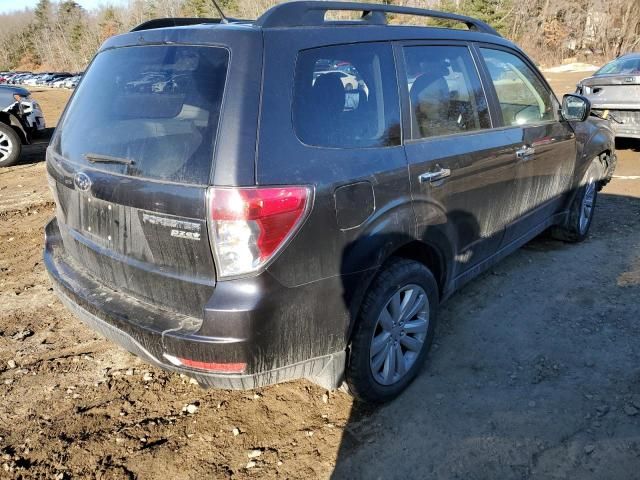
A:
(494, 12)
(197, 8)
(110, 24)
(59, 34)
(42, 13)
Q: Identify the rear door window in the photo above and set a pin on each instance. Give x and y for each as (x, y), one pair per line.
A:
(346, 96)
(523, 98)
(148, 111)
(445, 91)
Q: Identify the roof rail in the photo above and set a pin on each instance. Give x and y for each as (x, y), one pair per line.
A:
(312, 13)
(173, 22)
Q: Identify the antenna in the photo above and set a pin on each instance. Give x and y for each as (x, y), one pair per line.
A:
(222, 15)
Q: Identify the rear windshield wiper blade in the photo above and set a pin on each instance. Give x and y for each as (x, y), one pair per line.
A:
(97, 158)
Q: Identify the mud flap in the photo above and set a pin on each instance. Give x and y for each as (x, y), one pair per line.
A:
(332, 375)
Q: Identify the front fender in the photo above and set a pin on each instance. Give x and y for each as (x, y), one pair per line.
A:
(594, 136)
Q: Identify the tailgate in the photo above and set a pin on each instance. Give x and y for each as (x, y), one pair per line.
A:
(161, 256)
(129, 167)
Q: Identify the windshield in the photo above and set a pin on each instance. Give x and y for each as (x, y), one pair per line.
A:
(623, 66)
(148, 111)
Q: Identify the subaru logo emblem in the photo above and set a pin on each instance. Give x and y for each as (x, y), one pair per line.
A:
(82, 181)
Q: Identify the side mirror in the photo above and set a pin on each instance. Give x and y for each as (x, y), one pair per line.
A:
(575, 108)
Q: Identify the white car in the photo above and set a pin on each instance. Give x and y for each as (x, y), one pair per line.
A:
(31, 81)
(72, 82)
(20, 120)
(31, 112)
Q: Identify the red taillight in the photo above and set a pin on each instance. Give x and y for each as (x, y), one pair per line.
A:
(249, 225)
(208, 366)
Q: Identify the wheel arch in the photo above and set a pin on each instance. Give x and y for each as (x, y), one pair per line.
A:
(430, 256)
(427, 253)
(11, 121)
(600, 142)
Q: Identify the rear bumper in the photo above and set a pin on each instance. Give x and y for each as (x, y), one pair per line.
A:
(256, 322)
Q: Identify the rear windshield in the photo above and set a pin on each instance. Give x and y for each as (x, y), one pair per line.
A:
(621, 66)
(148, 111)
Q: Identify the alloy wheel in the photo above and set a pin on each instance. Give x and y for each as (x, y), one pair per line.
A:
(399, 334)
(6, 146)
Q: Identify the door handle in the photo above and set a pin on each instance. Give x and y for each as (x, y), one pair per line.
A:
(434, 176)
(525, 152)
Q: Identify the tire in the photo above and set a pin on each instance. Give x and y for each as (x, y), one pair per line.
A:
(576, 227)
(368, 379)
(10, 146)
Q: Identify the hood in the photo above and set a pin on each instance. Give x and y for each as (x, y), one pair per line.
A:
(613, 79)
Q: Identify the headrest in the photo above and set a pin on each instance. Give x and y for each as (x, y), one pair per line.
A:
(328, 90)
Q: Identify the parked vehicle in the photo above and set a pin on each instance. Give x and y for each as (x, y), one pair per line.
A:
(32, 80)
(614, 92)
(72, 82)
(54, 80)
(56, 77)
(15, 79)
(294, 233)
(20, 120)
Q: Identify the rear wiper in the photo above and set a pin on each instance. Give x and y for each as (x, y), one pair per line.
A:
(97, 158)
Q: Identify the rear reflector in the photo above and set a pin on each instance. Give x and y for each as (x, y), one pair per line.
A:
(248, 226)
(212, 367)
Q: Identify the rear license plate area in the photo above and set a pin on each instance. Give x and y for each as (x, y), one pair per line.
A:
(98, 220)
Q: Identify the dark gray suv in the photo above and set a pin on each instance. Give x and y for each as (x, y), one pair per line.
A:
(254, 201)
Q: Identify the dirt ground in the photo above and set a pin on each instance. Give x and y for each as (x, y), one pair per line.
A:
(535, 372)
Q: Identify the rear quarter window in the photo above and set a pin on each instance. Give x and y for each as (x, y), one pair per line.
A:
(346, 96)
(156, 108)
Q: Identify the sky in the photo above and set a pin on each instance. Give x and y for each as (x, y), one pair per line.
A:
(13, 5)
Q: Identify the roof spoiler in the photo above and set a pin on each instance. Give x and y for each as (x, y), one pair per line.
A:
(173, 22)
(183, 21)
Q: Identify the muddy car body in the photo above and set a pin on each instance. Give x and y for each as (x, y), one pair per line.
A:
(614, 91)
(252, 222)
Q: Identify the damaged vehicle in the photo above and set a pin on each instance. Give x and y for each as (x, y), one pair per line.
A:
(21, 119)
(226, 212)
(614, 93)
